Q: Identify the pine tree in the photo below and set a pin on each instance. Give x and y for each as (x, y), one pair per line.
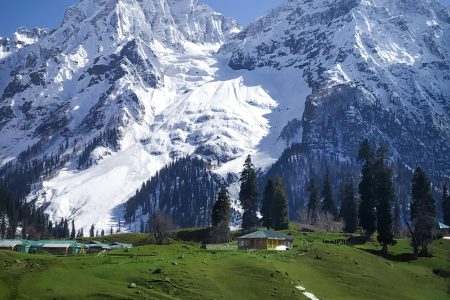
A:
(142, 227)
(280, 212)
(313, 203)
(349, 212)
(111, 232)
(96, 233)
(3, 227)
(221, 215)
(65, 232)
(328, 204)
(248, 194)
(102, 232)
(446, 205)
(384, 195)
(267, 204)
(367, 211)
(221, 209)
(423, 211)
(72, 233)
(92, 231)
(397, 220)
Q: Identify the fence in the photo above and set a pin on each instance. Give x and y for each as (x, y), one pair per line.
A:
(221, 247)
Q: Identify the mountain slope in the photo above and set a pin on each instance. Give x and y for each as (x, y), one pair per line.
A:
(91, 110)
(377, 69)
(112, 66)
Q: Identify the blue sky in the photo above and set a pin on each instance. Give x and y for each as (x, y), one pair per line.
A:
(49, 13)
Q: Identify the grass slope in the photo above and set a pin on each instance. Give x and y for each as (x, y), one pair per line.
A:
(187, 272)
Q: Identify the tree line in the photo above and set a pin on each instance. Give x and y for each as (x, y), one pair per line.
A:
(378, 207)
(273, 205)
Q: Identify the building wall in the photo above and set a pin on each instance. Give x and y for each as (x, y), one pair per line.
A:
(269, 244)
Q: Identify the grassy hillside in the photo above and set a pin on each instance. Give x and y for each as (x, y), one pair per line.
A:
(184, 271)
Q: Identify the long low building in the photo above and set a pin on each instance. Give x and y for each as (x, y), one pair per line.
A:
(10, 244)
(59, 247)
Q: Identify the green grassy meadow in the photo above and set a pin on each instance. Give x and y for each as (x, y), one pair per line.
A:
(183, 270)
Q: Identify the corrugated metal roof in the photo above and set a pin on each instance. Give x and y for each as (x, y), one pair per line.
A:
(10, 243)
(262, 234)
(41, 243)
(443, 226)
(120, 245)
(94, 243)
(56, 245)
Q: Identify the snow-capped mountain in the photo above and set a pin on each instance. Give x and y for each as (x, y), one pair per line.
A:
(93, 109)
(112, 66)
(21, 38)
(377, 69)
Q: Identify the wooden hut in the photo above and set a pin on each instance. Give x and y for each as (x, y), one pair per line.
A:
(265, 240)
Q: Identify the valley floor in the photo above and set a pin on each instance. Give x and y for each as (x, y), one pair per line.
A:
(185, 271)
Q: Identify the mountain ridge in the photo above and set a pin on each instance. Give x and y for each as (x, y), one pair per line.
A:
(124, 87)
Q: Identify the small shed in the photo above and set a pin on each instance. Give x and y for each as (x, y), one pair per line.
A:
(264, 239)
(10, 244)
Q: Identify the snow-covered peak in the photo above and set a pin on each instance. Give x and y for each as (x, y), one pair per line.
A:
(167, 21)
(104, 84)
(21, 38)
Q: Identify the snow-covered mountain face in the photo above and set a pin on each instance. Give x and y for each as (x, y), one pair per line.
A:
(112, 66)
(377, 69)
(22, 38)
(90, 111)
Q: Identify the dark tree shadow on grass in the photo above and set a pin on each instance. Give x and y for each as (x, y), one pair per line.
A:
(402, 257)
(356, 240)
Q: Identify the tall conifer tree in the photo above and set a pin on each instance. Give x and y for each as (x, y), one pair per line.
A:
(92, 231)
(73, 232)
(328, 204)
(221, 215)
(349, 212)
(446, 205)
(367, 211)
(313, 202)
(248, 194)
(267, 204)
(280, 211)
(397, 227)
(384, 195)
(221, 209)
(423, 211)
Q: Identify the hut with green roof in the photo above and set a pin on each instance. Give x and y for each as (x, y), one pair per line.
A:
(57, 247)
(96, 247)
(264, 240)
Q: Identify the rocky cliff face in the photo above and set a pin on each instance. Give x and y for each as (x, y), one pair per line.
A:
(21, 38)
(376, 69)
